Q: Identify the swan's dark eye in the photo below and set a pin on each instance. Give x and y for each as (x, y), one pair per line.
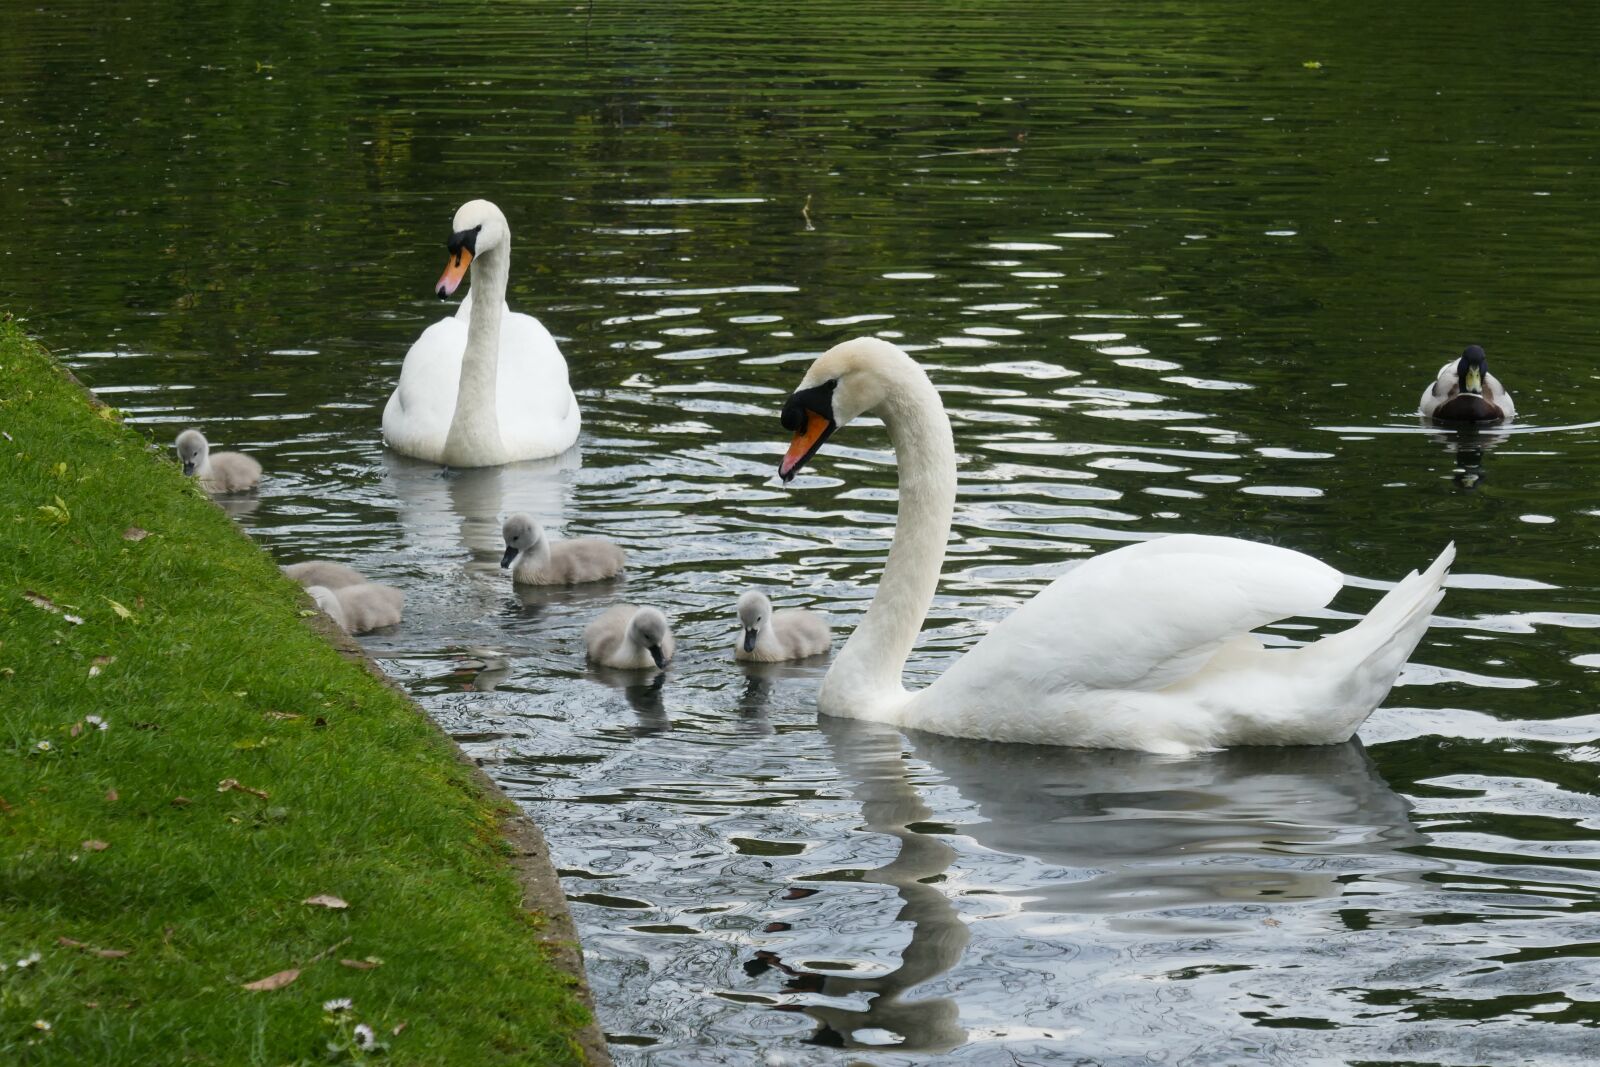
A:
(819, 399)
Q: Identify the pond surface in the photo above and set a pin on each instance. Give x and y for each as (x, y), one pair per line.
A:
(1179, 267)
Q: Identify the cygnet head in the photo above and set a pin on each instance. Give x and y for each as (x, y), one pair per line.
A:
(846, 381)
(754, 611)
(192, 450)
(522, 532)
(648, 629)
(1471, 369)
(479, 227)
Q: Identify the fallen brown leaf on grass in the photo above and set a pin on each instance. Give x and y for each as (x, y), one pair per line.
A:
(361, 965)
(103, 953)
(181, 802)
(7, 808)
(325, 900)
(39, 600)
(273, 981)
(282, 716)
(94, 845)
(111, 796)
(233, 784)
(122, 612)
(396, 1031)
(133, 533)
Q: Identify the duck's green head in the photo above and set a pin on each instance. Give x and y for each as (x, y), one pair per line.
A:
(1472, 370)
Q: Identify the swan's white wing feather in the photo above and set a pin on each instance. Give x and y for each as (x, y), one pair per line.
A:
(416, 420)
(536, 408)
(1143, 617)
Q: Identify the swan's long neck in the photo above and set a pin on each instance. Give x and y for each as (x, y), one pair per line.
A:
(864, 682)
(474, 438)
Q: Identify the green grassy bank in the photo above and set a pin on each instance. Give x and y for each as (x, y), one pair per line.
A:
(155, 864)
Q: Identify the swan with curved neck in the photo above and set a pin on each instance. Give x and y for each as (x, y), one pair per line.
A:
(488, 385)
(1145, 647)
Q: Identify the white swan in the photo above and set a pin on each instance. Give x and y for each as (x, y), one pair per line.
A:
(1465, 391)
(1146, 647)
(488, 385)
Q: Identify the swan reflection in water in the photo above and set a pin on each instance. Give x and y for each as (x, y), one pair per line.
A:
(444, 510)
(643, 692)
(1164, 845)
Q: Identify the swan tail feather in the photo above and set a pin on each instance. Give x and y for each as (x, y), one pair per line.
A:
(1376, 648)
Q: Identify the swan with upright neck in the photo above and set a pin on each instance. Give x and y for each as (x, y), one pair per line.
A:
(488, 385)
(1146, 647)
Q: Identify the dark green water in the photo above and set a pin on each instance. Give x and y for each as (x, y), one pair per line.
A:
(1168, 276)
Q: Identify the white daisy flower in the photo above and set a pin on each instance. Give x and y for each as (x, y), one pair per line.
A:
(40, 1024)
(96, 721)
(44, 746)
(338, 1004)
(366, 1040)
(29, 960)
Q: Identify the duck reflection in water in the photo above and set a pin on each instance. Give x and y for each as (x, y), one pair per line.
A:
(1162, 846)
(1471, 446)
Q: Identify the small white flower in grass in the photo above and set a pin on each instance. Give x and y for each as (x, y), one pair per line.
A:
(40, 1024)
(338, 1004)
(29, 960)
(43, 746)
(366, 1040)
(97, 722)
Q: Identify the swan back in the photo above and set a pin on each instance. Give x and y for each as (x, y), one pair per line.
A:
(369, 606)
(323, 572)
